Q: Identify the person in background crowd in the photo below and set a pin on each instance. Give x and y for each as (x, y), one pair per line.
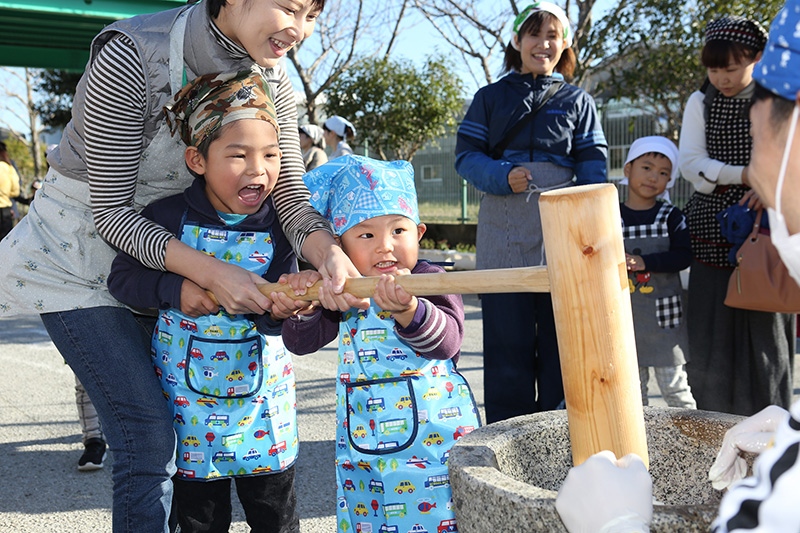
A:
(529, 132)
(9, 189)
(338, 131)
(312, 144)
(741, 361)
(657, 248)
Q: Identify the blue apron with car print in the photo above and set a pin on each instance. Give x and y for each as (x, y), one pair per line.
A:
(398, 414)
(231, 389)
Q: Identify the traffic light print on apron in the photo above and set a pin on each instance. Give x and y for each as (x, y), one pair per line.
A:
(398, 415)
(231, 389)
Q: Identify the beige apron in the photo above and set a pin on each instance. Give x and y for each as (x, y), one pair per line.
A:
(54, 259)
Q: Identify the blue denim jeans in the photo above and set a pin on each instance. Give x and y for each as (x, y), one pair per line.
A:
(108, 348)
(521, 367)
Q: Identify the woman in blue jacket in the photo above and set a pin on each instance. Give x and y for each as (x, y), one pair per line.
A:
(527, 133)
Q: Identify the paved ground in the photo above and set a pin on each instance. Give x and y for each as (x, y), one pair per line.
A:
(41, 489)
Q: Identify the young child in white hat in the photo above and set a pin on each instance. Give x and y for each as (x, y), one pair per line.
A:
(657, 248)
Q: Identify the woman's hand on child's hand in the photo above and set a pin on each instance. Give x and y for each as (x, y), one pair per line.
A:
(518, 179)
(329, 299)
(283, 305)
(335, 270)
(300, 281)
(195, 301)
(237, 291)
(634, 262)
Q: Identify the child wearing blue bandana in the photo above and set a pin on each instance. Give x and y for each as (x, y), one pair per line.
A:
(401, 403)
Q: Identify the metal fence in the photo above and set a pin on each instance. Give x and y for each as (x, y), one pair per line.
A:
(444, 197)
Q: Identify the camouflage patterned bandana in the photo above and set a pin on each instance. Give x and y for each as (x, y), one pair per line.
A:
(209, 102)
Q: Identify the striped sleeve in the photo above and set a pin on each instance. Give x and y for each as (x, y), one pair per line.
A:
(114, 127)
(291, 195)
(767, 501)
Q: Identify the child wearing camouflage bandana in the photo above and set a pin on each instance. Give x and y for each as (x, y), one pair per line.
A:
(401, 403)
(227, 378)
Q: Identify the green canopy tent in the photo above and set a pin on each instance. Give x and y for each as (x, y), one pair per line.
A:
(56, 34)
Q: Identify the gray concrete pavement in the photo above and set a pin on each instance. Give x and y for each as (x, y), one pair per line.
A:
(41, 488)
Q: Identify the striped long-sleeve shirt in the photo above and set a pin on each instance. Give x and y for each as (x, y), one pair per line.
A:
(115, 106)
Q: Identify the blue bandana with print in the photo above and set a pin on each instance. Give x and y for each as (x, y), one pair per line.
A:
(777, 70)
(351, 189)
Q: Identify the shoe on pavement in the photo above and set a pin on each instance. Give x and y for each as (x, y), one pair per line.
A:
(94, 454)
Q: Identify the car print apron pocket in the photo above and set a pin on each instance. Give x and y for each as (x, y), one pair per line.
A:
(381, 415)
(224, 368)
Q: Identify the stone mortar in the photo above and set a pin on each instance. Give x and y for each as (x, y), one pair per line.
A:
(505, 476)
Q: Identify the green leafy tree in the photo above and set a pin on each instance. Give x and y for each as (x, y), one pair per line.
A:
(56, 89)
(395, 107)
(193, 420)
(381, 464)
(393, 464)
(653, 50)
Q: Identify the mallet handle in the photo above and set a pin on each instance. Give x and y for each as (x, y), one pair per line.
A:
(523, 279)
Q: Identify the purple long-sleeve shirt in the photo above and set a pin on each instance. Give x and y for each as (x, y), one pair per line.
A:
(436, 331)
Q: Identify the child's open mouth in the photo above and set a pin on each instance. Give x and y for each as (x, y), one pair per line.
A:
(251, 195)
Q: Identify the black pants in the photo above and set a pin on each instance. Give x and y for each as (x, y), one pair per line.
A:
(6, 221)
(521, 368)
(269, 502)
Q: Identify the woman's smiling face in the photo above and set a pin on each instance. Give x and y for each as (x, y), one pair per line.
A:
(267, 29)
(540, 53)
